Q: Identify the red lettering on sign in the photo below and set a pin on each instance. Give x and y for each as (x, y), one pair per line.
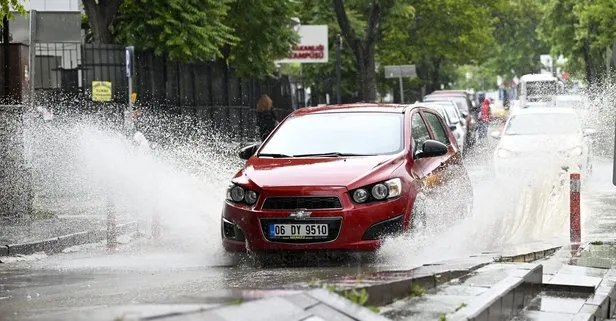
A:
(307, 52)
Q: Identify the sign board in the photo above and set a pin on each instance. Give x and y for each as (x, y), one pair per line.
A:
(400, 71)
(101, 91)
(129, 62)
(312, 46)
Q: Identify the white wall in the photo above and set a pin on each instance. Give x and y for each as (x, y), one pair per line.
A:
(53, 5)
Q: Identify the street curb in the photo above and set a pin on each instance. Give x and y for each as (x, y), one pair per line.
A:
(507, 298)
(57, 244)
(603, 302)
(528, 257)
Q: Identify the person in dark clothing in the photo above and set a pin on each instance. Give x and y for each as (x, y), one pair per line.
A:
(266, 118)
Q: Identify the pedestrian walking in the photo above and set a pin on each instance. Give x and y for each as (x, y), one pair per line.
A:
(484, 119)
(266, 118)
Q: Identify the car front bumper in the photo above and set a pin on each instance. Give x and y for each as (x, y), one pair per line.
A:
(353, 228)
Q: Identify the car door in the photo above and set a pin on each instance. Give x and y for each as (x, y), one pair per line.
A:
(422, 167)
(441, 169)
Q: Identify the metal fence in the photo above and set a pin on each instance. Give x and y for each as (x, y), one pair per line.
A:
(210, 90)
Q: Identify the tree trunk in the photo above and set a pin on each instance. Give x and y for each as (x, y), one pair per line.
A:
(101, 15)
(363, 50)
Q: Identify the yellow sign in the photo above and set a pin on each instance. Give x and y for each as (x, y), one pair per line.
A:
(101, 91)
(133, 97)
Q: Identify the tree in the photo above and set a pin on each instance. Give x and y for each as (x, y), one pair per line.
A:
(7, 7)
(364, 45)
(101, 15)
(264, 34)
(186, 30)
(517, 47)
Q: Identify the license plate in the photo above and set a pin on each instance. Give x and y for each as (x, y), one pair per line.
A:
(300, 231)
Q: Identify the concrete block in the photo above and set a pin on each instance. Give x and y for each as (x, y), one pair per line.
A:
(343, 305)
(4, 250)
(33, 247)
(328, 313)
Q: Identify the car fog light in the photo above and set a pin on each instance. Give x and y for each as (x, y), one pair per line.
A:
(251, 197)
(379, 191)
(360, 195)
(237, 194)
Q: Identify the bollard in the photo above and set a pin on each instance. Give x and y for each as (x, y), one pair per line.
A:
(112, 226)
(575, 229)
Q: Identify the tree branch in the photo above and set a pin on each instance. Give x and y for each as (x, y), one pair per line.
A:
(345, 25)
(374, 23)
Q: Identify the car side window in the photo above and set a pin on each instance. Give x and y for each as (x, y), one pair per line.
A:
(419, 131)
(437, 128)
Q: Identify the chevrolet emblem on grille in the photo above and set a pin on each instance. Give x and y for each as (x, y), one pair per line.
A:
(301, 214)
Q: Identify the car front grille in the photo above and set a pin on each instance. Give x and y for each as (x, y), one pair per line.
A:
(296, 203)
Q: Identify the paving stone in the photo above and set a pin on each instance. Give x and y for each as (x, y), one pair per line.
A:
(543, 316)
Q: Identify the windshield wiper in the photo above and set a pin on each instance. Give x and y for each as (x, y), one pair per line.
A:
(331, 154)
(275, 155)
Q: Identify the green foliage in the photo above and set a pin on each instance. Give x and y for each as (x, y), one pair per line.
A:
(443, 317)
(461, 306)
(250, 35)
(517, 46)
(416, 290)
(264, 33)
(7, 7)
(187, 30)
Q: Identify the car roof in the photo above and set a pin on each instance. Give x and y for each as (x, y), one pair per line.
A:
(349, 108)
(451, 91)
(538, 77)
(545, 110)
(448, 93)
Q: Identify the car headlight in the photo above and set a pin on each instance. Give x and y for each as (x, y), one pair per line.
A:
(377, 192)
(503, 153)
(575, 151)
(238, 194)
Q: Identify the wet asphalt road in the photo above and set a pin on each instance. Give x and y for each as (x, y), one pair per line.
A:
(140, 273)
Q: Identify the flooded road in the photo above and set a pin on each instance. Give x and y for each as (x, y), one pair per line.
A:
(182, 271)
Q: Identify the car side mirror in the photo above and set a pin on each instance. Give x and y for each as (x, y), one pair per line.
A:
(589, 132)
(464, 115)
(431, 148)
(247, 152)
(495, 134)
(452, 127)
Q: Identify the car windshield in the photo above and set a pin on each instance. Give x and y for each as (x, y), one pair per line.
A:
(338, 134)
(543, 124)
(451, 111)
(540, 88)
(459, 100)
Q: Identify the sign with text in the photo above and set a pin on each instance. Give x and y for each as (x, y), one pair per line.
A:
(400, 71)
(101, 91)
(312, 46)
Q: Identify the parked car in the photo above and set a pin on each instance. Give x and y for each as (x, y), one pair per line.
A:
(343, 177)
(542, 139)
(467, 109)
(453, 118)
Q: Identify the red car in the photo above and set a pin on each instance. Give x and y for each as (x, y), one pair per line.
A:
(342, 178)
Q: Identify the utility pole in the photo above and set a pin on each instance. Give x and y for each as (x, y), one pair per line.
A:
(6, 47)
(338, 62)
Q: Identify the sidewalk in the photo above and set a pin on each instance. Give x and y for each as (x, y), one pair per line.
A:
(57, 223)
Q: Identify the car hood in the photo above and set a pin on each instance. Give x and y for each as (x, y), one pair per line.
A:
(540, 143)
(330, 171)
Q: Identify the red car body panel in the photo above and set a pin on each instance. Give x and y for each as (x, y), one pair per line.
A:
(332, 177)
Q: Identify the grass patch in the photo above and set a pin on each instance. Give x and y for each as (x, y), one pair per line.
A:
(416, 290)
(354, 295)
(443, 317)
(236, 301)
(461, 306)
(597, 243)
